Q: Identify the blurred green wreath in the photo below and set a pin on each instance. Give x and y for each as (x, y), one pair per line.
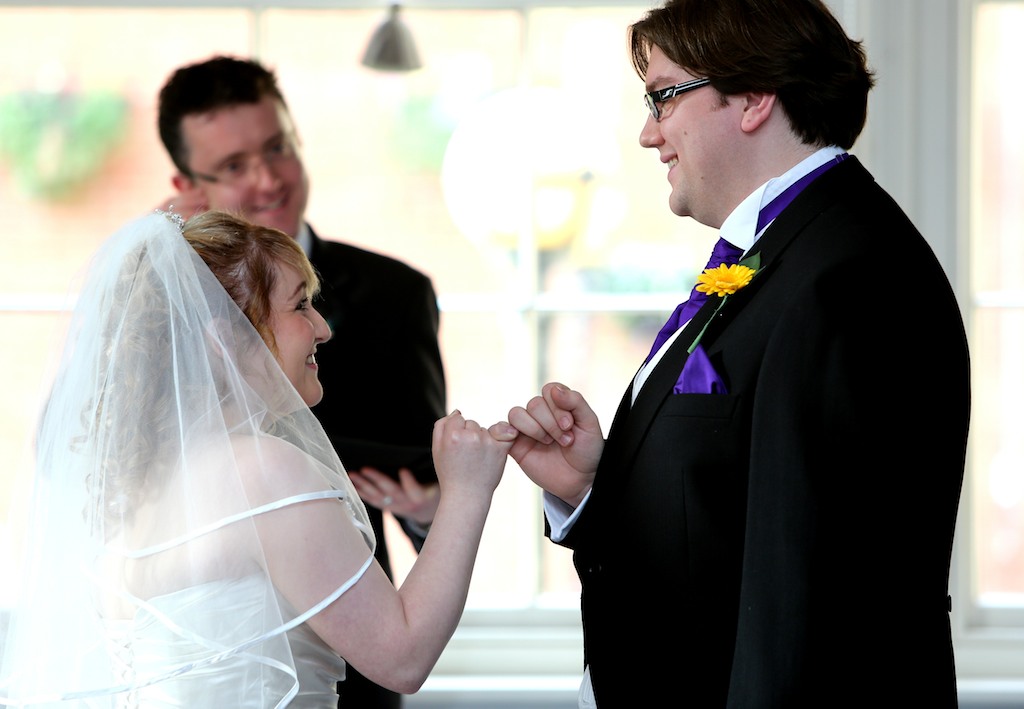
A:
(53, 142)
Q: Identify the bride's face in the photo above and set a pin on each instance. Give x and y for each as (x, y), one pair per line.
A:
(298, 328)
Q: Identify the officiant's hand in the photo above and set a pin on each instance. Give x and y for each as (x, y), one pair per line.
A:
(404, 497)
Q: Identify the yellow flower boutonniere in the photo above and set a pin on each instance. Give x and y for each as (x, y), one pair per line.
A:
(723, 281)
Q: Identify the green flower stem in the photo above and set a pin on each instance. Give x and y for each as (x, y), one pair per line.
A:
(752, 262)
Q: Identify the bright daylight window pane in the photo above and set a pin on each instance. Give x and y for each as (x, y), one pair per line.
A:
(997, 286)
(79, 156)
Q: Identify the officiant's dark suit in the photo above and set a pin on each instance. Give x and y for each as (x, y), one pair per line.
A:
(787, 544)
(769, 524)
(382, 364)
(382, 377)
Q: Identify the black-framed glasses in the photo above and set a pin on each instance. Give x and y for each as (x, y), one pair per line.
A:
(240, 169)
(654, 98)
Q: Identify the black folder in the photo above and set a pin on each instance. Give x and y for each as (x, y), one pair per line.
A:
(387, 458)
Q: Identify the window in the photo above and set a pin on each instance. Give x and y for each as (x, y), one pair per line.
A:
(990, 552)
(997, 292)
(561, 264)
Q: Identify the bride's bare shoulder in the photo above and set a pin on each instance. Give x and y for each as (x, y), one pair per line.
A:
(274, 467)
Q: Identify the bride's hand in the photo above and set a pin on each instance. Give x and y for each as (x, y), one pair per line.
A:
(468, 457)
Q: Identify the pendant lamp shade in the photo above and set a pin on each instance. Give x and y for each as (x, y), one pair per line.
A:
(391, 47)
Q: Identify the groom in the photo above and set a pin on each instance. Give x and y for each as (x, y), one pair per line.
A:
(769, 524)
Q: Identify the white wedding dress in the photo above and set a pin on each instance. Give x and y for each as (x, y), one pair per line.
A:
(233, 611)
(174, 547)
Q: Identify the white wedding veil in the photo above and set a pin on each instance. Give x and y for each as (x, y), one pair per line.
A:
(175, 475)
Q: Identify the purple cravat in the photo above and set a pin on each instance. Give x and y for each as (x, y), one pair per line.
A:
(724, 252)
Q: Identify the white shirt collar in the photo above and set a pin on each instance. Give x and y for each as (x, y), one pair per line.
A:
(305, 238)
(738, 228)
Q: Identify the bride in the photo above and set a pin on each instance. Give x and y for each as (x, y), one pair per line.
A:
(194, 540)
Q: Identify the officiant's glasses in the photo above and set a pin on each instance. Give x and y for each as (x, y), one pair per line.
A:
(240, 168)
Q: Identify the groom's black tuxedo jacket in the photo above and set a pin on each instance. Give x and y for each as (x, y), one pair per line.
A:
(787, 544)
(381, 372)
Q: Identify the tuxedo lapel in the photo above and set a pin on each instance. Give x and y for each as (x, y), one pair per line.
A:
(630, 425)
(847, 178)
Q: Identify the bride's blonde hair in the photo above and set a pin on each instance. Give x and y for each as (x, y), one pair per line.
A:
(245, 257)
